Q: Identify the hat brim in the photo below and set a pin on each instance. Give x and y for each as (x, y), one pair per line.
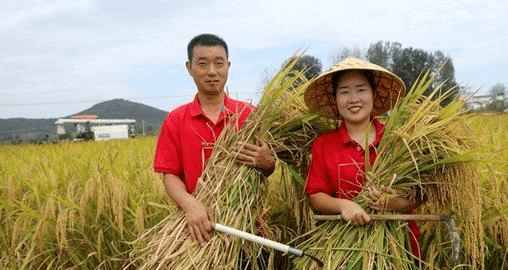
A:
(319, 96)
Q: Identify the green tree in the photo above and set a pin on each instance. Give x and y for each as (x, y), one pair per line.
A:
(345, 52)
(446, 77)
(498, 98)
(410, 63)
(312, 66)
(498, 89)
(379, 54)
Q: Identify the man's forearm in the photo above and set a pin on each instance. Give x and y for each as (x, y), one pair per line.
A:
(199, 218)
(176, 189)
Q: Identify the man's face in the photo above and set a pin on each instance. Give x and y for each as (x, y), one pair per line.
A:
(209, 68)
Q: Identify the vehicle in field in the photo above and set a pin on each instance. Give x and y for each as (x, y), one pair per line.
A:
(88, 127)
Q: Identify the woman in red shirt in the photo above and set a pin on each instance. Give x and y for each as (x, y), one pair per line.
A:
(353, 91)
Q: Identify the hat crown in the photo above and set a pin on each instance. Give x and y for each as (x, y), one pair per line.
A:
(319, 95)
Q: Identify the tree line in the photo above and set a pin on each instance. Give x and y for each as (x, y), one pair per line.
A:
(408, 63)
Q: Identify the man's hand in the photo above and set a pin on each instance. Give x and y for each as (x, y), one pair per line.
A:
(199, 218)
(199, 221)
(256, 155)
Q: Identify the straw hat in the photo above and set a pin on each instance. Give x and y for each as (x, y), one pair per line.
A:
(319, 94)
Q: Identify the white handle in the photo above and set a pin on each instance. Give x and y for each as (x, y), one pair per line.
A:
(258, 239)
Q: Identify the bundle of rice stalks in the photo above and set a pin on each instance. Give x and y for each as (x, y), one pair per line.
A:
(425, 152)
(291, 140)
(236, 193)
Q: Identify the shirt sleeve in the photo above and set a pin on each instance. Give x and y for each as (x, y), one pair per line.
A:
(317, 178)
(168, 157)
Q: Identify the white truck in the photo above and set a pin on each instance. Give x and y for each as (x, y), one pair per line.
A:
(101, 133)
(96, 129)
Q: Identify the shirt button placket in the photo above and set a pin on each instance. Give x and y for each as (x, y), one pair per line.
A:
(361, 152)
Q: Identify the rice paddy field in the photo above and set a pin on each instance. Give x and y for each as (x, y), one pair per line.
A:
(83, 205)
(77, 205)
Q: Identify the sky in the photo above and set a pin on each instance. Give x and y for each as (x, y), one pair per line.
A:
(60, 57)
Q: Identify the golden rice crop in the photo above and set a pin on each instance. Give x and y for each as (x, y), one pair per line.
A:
(73, 205)
(236, 193)
(81, 205)
(493, 137)
(425, 152)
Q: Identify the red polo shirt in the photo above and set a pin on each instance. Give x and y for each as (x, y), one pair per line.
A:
(187, 138)
(338, 165)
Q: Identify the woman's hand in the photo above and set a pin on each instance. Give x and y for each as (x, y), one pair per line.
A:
(349, 210)
(353, 212)
(386, 199)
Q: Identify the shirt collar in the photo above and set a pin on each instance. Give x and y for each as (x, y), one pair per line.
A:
(229, 105)
(195, 107)
(344, 135)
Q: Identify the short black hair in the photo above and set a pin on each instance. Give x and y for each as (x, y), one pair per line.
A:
(206, 40)
(368, 74)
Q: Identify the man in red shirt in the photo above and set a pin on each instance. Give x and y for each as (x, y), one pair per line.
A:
(189, 132)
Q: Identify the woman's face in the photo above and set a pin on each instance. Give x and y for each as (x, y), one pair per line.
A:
(354, 97)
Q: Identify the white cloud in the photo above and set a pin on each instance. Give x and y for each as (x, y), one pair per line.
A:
(98, 50)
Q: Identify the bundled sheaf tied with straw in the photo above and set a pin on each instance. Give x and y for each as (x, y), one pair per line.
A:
(236, 193)
(426, 152)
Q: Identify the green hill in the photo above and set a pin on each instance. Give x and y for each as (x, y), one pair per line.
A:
(35, 129)
(122, 109)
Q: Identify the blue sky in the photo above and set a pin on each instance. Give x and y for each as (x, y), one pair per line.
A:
(60, 57)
